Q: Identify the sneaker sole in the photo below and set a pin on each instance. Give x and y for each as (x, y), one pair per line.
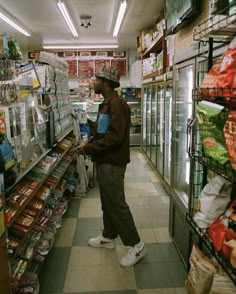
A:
(109, 245)
(142, 253)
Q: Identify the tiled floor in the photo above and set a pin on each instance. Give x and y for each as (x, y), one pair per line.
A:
(74, 267)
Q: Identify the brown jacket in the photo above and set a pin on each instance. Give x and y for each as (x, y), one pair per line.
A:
(111, 140)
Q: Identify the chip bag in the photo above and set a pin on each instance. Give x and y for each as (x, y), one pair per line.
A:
(221, 79)
(211, 119)
(230, 135)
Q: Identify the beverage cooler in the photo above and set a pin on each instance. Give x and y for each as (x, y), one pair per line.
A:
(167, 110)
(156, 125)
(182, 166)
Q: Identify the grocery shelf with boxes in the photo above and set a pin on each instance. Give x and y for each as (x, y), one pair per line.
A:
(152, 45)
(38, 164)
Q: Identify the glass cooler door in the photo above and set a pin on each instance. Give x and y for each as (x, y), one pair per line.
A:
(183, 85)
(167, 132)
(160, 127)
(153, 124)
(144, 118)
(148, 120)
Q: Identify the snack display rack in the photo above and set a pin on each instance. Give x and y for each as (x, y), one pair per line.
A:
(215, 30)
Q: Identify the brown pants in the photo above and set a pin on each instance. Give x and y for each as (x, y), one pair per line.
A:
(117, 218)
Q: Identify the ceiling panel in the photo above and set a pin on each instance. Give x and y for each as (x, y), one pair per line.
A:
(45, 22)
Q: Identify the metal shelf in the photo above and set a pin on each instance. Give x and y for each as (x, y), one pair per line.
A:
(218, 95)
(223, 170)
(220, 27)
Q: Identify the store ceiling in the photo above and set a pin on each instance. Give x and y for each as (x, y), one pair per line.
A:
(44, 20)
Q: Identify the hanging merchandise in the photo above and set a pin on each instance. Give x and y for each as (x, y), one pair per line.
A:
(221, 79)
(213, 201)
(211, 119)
(14, 50)
(4, 50)
(229, 134)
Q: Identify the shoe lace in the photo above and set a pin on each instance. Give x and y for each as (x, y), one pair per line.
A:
(131, 252)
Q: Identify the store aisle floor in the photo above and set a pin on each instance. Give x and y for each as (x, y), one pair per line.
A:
(74, 267)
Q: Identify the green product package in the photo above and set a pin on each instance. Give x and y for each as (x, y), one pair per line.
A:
(211, 118)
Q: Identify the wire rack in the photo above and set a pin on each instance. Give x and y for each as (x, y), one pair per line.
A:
(221, 27)
(218, 95)
(225, 264)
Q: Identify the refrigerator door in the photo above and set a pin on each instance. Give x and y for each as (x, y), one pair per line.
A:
(183, 85)
(144, 118)
(167, 132)
(148, 120)
(154, 125)
(160, 128)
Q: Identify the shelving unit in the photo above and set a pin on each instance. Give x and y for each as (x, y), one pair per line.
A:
(157, 46)
(46, 166)
(218, 30)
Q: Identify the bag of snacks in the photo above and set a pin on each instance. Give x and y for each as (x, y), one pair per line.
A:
(211, 119)
(214, 199)
(201, 273)
(221, 79)
(230, 135)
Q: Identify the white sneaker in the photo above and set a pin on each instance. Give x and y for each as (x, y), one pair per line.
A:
(100, 241)
(134, 255)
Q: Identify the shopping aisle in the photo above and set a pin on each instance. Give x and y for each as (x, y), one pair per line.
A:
(74, 267)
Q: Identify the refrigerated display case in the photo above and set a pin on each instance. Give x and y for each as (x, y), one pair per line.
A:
(144, 118)
(133, 98)
(181, 166)
(160, 126)
(156, 127)
(153, 139)
(167, 132)
(182, 114)
(150, 93)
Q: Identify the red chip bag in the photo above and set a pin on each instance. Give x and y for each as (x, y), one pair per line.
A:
(221, 79)
(216, 233)
(210, 79)
(230, 135)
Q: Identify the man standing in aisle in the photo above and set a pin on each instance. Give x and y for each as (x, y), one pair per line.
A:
(110, 149)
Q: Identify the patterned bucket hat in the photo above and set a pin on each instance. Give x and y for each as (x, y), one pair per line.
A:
(110, 73)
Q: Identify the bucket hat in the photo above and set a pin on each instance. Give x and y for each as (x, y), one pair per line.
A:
(110, 73)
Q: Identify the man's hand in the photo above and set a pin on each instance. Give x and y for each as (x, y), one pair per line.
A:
(80, 148)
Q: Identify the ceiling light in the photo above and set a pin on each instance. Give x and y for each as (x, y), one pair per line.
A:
(4, 16)
(67, 17)
(120, 15)
(71, 47)
(85, 20)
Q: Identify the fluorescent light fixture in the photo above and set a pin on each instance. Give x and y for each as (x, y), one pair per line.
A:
(4, 16)
(120, 15)
(67, 17)
(70, 47)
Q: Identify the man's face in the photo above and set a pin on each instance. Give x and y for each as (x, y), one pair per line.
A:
(98, 85)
